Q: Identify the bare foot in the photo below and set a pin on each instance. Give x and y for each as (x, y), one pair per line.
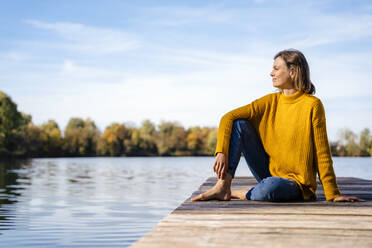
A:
(215, 193)
(221, 191)
(240, 194)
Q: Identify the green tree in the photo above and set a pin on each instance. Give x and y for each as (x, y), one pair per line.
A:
(171, 139)
(112, 141)
(334, 148)
(348, 141)
(10, 121)
(142, 141)
(212, 141)
(148, 129)
(147, 138)
(81, 137)
(197, 140)
(194, 141)
(52, 139)
(90, 135)
(30, 141)
(365, 143)
(134, 145)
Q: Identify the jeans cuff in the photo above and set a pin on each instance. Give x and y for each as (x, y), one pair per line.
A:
(248, 195)
(231, 172)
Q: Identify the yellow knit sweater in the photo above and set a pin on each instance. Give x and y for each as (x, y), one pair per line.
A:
(293, 132)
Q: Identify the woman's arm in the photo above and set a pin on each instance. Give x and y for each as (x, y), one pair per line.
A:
(224, 134)
(254, 110)
(224, 129)
(323, 158)
(220, 165)
(248, 112)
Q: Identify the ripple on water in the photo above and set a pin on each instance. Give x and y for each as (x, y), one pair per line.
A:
(103, 202)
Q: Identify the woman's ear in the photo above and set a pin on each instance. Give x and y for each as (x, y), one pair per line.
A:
(292, 72)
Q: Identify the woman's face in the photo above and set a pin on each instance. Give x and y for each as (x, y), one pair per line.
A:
(281, 75)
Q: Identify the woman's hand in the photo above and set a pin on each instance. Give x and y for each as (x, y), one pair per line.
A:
(347, 199)
(219, 165)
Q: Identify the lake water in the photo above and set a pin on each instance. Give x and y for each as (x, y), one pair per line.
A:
(104, 202)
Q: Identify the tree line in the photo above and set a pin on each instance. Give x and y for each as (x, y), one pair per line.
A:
(20, 137)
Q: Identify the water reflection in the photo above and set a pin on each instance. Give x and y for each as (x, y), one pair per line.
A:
(77, 202)
(13, 180)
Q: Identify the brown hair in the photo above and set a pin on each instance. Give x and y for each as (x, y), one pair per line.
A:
(296, 61)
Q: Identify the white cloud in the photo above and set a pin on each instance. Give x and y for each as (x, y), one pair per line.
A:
(342, 75)
(327, 29)
(198, 97)
(180, 16)
(308, 24)
(70, 71)
(193, 98)
(195, 84)
(82, 38)
(14, 56)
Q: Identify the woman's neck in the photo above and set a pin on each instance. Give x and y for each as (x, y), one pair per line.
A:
(288, 92)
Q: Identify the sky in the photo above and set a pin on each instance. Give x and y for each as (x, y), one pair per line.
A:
(185, 61)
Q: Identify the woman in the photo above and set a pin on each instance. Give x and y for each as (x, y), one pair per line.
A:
(283, 138)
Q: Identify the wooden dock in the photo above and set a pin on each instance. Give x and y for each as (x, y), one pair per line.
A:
(239, 223)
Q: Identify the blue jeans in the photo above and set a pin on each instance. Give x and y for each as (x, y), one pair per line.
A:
(245, 139)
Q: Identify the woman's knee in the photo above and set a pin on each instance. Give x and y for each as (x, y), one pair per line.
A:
(242, 124)
(265, 190)
(276, 189)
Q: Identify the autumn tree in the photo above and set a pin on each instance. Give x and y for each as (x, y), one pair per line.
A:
(348, 142)
(365, 143)
(171, 139)
(51, 139)
(10, 121)
(112, 141)
(148, 134)
(81, 137)
(143, 140)
(197, 140)
(212, 141)
(30, 141)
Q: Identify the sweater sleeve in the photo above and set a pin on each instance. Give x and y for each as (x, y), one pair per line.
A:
(250, 111)
(323, 157)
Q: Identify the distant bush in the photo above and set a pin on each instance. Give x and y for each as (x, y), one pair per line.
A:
(19, 137)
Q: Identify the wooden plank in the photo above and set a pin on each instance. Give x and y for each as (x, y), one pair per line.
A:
(222, 237)
(239, 223)
(267, 221)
